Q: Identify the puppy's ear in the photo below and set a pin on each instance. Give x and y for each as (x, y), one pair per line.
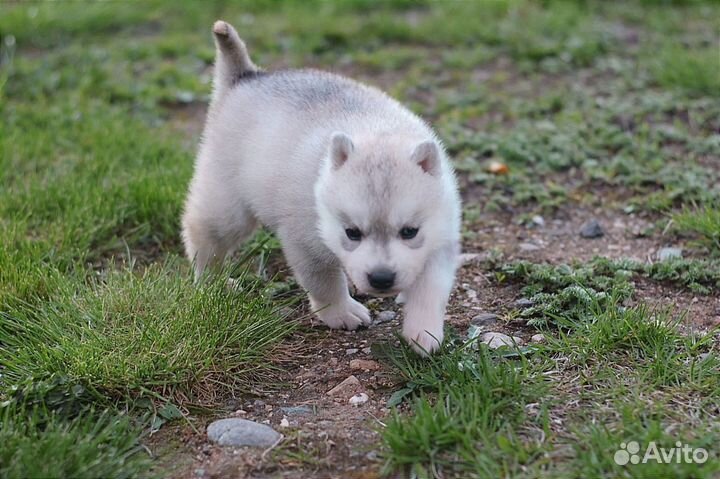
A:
(340, 148)
(427, 156)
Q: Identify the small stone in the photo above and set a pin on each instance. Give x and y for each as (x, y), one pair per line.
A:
(524, 303)
(365, 364)
(296, 410)
(385, 316)
(351, 351)
(200, 472)
(366, 350)
(537, 338)
(665, 254)
(484, 320)
(496, 340)
(591, 229)
(185, 97)
(240, 412)
(241, 432)
(527, 247)
(538, 220)
(467, 258)
(703, 356)
(345, 388)
(371, 456)
(359, 399)
(284, 422)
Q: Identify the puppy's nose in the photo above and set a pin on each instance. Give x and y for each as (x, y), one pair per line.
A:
(381, 279)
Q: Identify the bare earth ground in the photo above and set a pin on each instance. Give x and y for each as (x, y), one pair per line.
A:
(326, 436)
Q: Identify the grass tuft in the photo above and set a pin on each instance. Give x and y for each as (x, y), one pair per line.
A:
(37, 444)
(704, 221)
(130, 333)
(466, 405)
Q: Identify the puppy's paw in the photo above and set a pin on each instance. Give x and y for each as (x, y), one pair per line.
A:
(349, 315)
(424, 340)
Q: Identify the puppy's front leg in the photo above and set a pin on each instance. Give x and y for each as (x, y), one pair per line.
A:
(426, 300)
(327, 289)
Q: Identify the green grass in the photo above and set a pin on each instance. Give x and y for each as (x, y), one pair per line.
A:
(477, 413)
(704, 221)
(92, 445)
(696, 70)
(127, 335)
(573, 292)
(593, 438)
(465, 405)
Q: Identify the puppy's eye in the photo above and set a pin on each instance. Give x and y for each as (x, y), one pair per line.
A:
(408, 233)
(353, 234)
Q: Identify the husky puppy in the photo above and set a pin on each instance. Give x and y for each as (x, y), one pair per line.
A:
(350, 181)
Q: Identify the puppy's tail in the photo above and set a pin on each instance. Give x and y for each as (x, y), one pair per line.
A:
(232, 61)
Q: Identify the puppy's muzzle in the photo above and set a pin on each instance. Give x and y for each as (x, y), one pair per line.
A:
(381, 279)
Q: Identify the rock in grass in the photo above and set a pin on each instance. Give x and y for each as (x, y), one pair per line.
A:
(385, 316)
(665, 254)
(359, 399)
(364, 364)
(296, 410)
(524, 303)
(496, 340)
(591, 229)
(485, 320)
(528, 247)
(241, 432)
(347, 388)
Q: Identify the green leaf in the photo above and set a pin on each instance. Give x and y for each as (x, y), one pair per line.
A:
(398, 396)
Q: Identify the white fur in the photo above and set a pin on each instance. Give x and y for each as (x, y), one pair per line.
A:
(309, 154)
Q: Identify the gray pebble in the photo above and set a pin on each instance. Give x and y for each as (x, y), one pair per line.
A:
(591, 229)
(385, 316)
(484, 320)
(665, 254)
(527, 247)
(296, 410)
(524, 303)
(241, 432)
(351, 351)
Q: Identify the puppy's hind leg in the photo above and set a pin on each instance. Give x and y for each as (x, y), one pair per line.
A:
(210, 236)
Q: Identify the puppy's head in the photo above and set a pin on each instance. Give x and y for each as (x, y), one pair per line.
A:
(385, 203)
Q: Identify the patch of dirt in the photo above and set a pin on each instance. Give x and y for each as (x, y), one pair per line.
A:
(558, 240)
(325, 436)
(699, 312)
